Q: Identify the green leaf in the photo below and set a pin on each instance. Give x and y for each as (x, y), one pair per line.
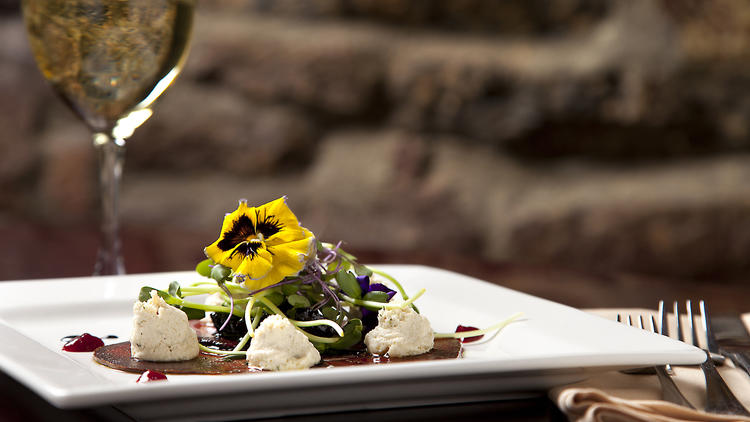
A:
(275, 297)
(220, 273)
(192, 313)
(315, 297)
(204, 267)
(375, 296)
(362, 270)
(320, 346)
(345, 265)
(145, 294)
(352, 335)
(347, 255)
(298, 301)
(289, 289)
(330, 312)
(174, 289)
(172, 297)
(348, 283)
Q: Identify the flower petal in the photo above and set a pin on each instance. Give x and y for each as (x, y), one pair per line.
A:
(288, 235)
(273, 277)
(380, 287)
(236, 228)
(256, 266)
(281, 210)
(212, 251)
(291, 257)
(364, 283)
(229, 219)
(227, 258)
(243, 229)
(287, 221)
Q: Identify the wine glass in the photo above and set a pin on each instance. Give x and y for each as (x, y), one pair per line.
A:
(109, 60)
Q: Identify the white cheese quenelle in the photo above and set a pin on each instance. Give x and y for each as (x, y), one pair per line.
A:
(277, 345)
(161, 332)
(400, 332)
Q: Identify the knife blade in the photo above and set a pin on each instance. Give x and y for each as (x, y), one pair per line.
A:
(733, 340)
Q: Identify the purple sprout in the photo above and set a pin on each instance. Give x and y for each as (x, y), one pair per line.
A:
(231, 304)
(314, 272)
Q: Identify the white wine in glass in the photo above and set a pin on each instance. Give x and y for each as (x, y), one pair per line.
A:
(109, 60)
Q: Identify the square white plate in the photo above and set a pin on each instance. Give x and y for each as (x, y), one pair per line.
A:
(551, 345)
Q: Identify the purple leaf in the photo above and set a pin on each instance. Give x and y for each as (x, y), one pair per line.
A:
(364, 283)
(379, 287)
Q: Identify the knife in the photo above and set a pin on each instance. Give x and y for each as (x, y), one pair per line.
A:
(732, 339)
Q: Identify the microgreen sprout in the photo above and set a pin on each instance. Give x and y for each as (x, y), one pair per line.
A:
(386, 305)
(221, 352)
(326, 300)
(332, 300)
(231, 303)
(474, 333)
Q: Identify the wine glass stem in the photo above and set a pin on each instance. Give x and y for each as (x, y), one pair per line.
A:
(111, 154)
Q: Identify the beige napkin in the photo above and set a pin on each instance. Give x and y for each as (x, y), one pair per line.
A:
(618, 397)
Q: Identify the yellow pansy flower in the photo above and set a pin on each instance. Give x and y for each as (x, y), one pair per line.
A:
(262, 244)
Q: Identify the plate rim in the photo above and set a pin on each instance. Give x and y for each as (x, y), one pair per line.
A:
(109, 392)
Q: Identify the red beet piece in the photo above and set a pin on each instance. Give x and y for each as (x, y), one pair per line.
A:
(83, 343)
(150, 375)
(462, 328)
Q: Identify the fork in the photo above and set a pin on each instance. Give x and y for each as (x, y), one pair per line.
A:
(669, 390)
(719, 398)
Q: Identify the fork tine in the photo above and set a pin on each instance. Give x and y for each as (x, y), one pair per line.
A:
(710, 338)
(669, 389)
(719, 398)
(664, 328)
(691, 324)
(678, 326)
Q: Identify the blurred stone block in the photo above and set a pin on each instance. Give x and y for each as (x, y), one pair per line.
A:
(509, 16)
(196, 128)
(599, 135)
(333, 69)
(20, 155)
(68, 180)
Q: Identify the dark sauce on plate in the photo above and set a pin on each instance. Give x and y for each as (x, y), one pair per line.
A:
(117, 356)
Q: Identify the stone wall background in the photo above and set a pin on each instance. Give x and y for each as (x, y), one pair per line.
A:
(600, 136)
